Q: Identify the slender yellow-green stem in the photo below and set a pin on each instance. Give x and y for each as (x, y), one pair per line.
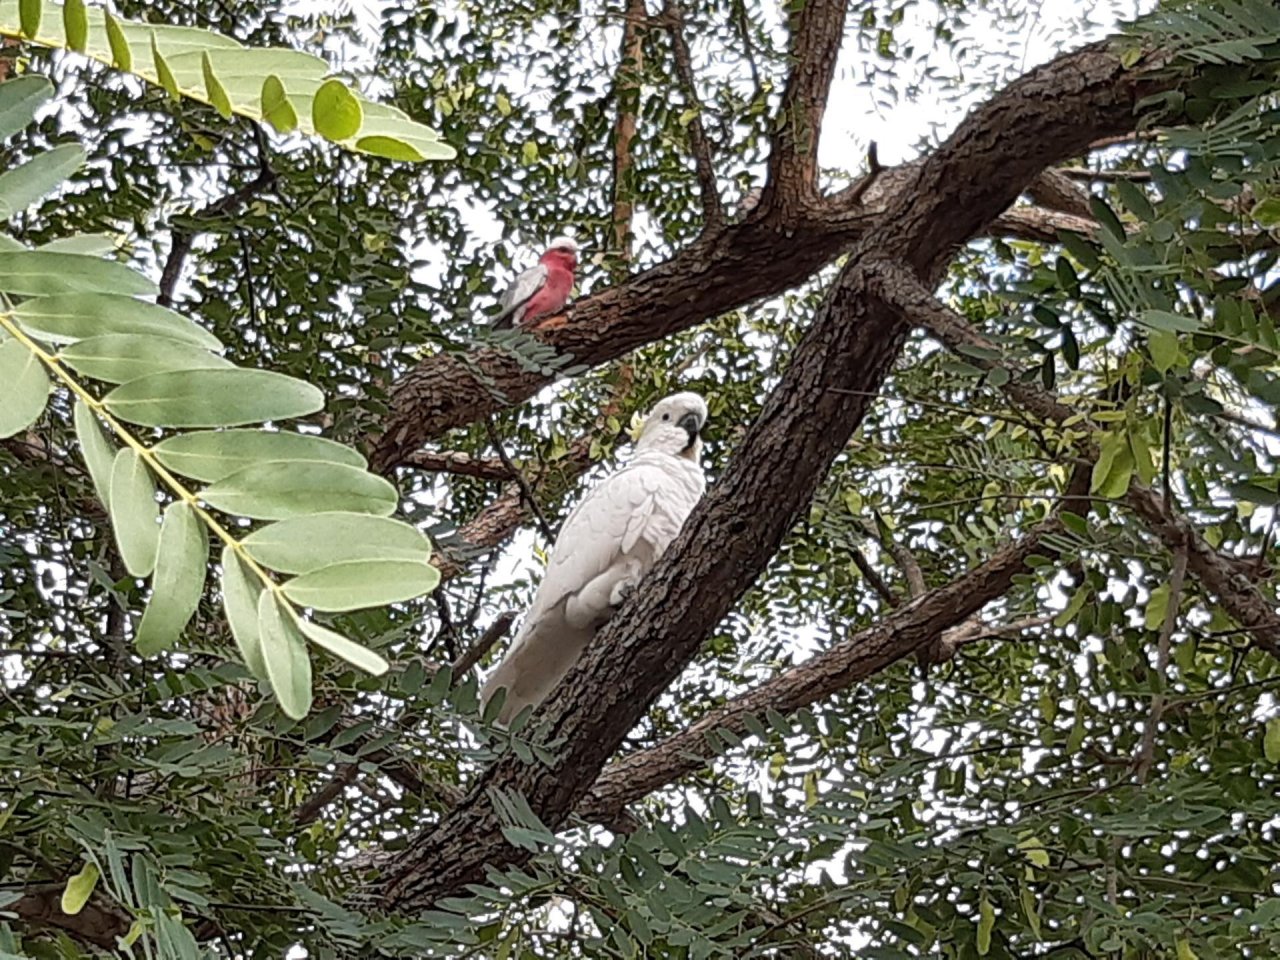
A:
(176, 486)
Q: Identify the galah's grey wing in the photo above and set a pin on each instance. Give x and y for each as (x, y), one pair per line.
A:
(519, 293)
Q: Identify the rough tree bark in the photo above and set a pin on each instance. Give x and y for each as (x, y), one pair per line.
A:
(858, 656)
(1051, 114)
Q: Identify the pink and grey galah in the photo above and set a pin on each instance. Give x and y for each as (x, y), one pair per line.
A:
(541, 290)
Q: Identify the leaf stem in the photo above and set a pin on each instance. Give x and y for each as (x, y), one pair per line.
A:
(176, 486)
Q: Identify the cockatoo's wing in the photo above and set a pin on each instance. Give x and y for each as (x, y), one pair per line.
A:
(639, 508)
(519, 293)
(611, 538)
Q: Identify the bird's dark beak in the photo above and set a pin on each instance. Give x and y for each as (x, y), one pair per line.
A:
(691, 425)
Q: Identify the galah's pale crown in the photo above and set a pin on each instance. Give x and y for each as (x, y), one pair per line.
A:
(567, 244)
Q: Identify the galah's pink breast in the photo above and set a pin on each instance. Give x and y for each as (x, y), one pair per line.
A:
(551, 296)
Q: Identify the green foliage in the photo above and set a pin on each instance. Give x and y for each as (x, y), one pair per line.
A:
(986, 810)
(77, 314)
(286, 87)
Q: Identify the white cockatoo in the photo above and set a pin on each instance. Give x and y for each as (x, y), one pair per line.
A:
(607, 544)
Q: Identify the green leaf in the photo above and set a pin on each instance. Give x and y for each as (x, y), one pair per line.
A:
(23, 185)
(19, 100)
(1073, 607)
(1118, 479)
(216, 92)
(1033, 849)
(360, 657)
(99, 455)
(284, 651)
(305, 543)
(120, 357)
(40, 273)
(79, 316)
(1132, 197)
(1163, 346)
(30, 12)
(1143, 461)
(278, 489)
(1107, 217)
(335, 112)
(277, 109)
(212, 398)
(79, 889)
(1108, 448)
(75, 24)
(1028, 899)
(392, 149)
(240, 594)
(355, 584)
(163, 73)
(121, 54)
(1157, 607)
(1271, 740)
(181, 562)
(1169, 322)
(986, 923)
(134, 513)
(85, 244)
(1254, 493)
(1267, 212)
(1080, 248)
(24, 388)
(212, 455)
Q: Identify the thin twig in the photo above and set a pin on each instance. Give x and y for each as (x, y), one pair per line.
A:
(525, 490)
(180, 247)
(1146, 753)
(1166, 478)
(854, 197)
(903, 557)
(1083, 173)
(712, 209)
(475, 653)
(448, 634)
(873, 577)
(626, 94)
(250, 295)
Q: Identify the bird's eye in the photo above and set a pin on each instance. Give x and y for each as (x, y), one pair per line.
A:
(666, 416)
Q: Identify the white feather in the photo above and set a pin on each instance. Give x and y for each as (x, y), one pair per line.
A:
(521, 291)
(607, 544)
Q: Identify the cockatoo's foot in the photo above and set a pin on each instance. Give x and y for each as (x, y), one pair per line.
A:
(621, 590)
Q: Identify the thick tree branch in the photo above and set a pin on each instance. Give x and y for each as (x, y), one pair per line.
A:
(1056, 191)
(99, 922)
(770, 251)
(817, 31)
(712, 209)
(760, 257)
(860, 655)
(1047, 116)
(456, 461)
